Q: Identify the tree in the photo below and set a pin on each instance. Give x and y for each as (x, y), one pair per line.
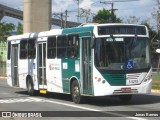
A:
(5, 30)
(105, 16)
(19, 29)
(131, 20)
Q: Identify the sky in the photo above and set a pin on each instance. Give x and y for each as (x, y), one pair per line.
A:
(142, 9)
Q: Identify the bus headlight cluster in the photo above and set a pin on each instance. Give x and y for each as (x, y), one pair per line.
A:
(147, 78)
(100, 79)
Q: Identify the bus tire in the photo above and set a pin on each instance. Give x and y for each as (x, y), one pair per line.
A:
(76, 97)
(30, 87)
(125, 98)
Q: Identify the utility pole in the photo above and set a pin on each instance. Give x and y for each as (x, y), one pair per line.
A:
(112, 9)
(77, 11)
(60, 16)
(158, 17)
(66, 15)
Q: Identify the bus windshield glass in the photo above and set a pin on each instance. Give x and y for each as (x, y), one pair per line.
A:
(122, 53)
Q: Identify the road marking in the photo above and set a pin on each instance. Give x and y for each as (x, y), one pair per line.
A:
(86, 108)
(34, 99)
(18, 100)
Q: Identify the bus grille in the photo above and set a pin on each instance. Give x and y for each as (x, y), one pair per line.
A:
(116, 79)
(134, 76)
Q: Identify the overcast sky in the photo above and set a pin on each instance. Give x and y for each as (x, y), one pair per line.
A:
(141, 8)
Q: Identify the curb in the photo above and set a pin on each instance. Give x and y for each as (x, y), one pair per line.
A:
(3, 77)
(155, 91)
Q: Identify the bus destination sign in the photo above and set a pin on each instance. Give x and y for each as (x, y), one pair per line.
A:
(111, 30)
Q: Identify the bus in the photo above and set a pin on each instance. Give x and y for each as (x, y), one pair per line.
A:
(88, 60)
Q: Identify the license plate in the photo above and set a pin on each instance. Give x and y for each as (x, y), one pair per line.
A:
(126, 90)
(132, 82)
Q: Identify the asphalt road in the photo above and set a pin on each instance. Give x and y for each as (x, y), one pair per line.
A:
(17, 102)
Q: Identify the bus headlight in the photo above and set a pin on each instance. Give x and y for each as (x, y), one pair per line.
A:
(147, 79)
(103, 81)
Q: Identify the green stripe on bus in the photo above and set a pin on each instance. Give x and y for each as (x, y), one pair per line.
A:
(115, 79)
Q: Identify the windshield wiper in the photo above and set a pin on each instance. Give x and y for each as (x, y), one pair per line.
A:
(114, 41)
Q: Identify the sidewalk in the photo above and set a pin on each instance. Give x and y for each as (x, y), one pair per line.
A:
(155, 91)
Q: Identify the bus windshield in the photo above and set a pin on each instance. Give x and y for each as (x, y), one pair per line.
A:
(122, 53)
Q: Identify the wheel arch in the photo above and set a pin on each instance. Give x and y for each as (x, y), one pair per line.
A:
(71, 82)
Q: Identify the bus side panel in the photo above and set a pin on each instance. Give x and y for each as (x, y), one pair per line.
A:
(23, 72)
(70, 69)
(9, 80)
(54, 75)
(34, 74)
(32, 71)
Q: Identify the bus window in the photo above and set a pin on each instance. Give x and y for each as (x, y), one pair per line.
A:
(51, 45)
(9, 51)
(72, 48)
(61, 46)
(23, 49)
(31, 49)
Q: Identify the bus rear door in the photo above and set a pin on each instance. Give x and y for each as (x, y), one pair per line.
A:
(41, 60)
(14, 65)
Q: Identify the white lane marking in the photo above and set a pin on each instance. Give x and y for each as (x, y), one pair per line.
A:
(5, 93)
(18, 100)
(86, 108)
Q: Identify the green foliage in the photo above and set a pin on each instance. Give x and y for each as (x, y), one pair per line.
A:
(153, 36)
(105, 16)
(19, 29)
(5, 30)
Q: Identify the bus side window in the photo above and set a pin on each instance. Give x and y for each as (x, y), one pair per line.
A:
(51, 47)
(23, 49)
(9, 51)
(72, 48)
(61, 46)
(31, 49)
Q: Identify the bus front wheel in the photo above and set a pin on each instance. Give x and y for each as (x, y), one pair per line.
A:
(76, 97)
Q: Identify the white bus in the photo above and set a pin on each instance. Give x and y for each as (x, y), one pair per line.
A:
(89, 60)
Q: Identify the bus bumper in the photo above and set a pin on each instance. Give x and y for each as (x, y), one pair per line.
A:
(144, 88)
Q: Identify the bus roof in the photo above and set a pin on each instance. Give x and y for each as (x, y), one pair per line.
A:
(50, 33)
(35, 35)
(77, 29)
(93, 26)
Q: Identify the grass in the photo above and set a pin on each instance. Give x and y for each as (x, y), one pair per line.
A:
(156, 81)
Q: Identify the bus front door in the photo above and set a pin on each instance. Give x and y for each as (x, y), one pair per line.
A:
(86, 65)
(41, 60)
(14, 65)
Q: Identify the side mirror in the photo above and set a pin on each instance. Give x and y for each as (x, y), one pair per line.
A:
(92, 41)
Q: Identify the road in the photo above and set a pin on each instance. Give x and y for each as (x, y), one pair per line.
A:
(62, 107)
